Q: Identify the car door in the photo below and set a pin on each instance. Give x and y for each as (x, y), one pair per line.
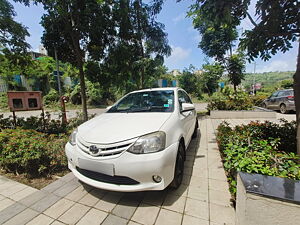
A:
(272, 100)
(187, 118)
(279, 99)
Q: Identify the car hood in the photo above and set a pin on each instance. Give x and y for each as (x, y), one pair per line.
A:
(109, 128)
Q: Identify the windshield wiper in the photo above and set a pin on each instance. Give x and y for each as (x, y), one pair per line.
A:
(146, 109)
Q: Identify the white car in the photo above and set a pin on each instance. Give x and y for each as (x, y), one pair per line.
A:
(138, 144)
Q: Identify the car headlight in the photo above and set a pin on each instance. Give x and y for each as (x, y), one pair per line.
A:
(149, 143)
(72, 138)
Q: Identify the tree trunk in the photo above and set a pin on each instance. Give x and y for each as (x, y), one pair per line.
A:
(82, 92)
(142, 78)
(297, 98)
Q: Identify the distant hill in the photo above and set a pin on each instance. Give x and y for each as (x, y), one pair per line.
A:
(267, 79)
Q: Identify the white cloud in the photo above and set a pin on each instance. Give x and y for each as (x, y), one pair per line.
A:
(178, 54)
(275, 65)
(179, 18)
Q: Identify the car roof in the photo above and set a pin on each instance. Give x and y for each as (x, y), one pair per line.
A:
(157, 89)
(286, 90)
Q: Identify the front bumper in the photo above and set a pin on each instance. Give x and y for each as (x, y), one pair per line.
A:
(137, 167)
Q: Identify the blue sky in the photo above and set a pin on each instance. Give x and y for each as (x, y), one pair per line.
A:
(183, 38)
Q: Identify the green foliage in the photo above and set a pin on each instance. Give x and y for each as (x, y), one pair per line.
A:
(236, 67)
(31, 152)
(140, 45)
(270, 80)
(3, 101)
(228, 99)
(94, 94)
(189, 81)
(278, 26)
(210, 77)
(265, 148)
(40, 124)
(51, 97)
(13, 34)
(286, 84)
(258, 99)
(216, 25)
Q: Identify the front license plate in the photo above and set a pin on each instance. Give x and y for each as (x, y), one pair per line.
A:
(95, 166)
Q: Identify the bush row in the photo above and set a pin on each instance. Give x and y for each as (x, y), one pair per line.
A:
(228, 99)
(32, 152)
(264, 148)
(42, 124)
(34, 146)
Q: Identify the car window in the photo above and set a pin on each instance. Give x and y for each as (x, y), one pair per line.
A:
(291, 92)
(145, 101)
(281, 93)
(275, 94)
(183, 98)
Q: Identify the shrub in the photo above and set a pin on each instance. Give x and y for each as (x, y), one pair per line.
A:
(265, 148)
(51, 98)
(31, 152)
(3, 101)
(257, 100)
(94, 94)
(44, 125)
(230, 100)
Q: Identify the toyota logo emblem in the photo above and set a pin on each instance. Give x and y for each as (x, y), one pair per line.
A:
(94, 150)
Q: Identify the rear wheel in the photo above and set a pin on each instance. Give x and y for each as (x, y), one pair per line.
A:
(283, 109)
(179, 167)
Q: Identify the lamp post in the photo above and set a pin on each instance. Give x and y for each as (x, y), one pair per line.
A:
(253, 90)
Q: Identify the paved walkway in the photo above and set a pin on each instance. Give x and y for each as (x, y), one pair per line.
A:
(202, 199)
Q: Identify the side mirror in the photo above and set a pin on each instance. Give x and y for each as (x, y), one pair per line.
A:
(108, 107)
(187, 107)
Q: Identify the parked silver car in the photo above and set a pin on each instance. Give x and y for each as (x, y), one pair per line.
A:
(282, 100)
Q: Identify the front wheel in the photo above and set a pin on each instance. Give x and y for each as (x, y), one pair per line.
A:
(264, 105)
(179, 168)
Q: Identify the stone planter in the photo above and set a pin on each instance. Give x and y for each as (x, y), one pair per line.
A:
(257, 113)
(267, 200)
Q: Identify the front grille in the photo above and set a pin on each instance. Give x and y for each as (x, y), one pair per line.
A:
(104, 150)
(106, 178)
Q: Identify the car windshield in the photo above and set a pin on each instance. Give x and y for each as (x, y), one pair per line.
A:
(145, 101)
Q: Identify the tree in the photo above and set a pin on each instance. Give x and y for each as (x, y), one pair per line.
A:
(277, 27)
(12, 33)
(235, 65)
(218, 29)
(78, 30)
(13, 46)
(210, 76)
(216, 25)
(286, 84)
(140, 44)
(189, 81)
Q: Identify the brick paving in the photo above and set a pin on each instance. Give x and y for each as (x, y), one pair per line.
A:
(202, 199)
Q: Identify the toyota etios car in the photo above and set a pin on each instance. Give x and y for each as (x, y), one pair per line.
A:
(138, 144)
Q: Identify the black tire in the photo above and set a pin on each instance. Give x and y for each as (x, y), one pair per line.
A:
(179, 168)
(283, 109)
(195, 130)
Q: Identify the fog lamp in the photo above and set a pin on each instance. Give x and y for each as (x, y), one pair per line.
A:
(156, 178)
